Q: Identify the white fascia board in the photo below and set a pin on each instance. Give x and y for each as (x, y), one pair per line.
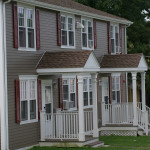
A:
(67, 70)
(111, 70)
(74, 11)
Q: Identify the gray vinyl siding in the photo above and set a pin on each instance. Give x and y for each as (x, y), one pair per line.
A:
(123, 40)
(24, 63)
(102, 39)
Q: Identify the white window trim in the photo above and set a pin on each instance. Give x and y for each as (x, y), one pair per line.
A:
(90, 20)
(34, 27)
(116, 75)
(115, 25)
(29, 77)
(68, 77)
(73, 19)
(88, 106)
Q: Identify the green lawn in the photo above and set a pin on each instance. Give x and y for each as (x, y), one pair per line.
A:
(115, 142)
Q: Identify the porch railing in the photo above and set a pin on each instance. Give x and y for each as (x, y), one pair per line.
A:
(64, 125)
(88, 119)
(148, 110)
(142, 119)
(117, 113)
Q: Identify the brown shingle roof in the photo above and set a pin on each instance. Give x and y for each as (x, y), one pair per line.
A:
(69, 59)
(121, 61)
(77, 6)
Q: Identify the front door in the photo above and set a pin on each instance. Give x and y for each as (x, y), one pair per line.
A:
(47, 105)
(105, 97)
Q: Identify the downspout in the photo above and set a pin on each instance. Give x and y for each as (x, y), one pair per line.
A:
(5, 139)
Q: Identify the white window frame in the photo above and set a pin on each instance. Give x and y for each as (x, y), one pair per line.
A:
(115, 76)
(87, 20)
(29, 78)
(27, 7)
(68, 77)
(73, 22)
(114, 37)
(88, 90)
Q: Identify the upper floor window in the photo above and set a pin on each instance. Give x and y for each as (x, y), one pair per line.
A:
(69, 93)
(67, 31)
(28, 99)
(26, 27)
(87, 91)
(114, 33)
(116, 89)
(87, 34)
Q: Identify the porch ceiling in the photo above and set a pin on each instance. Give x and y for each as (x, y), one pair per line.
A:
(68, 61)
(123, 63)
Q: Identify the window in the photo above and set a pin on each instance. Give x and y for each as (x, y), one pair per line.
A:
(67, 31)
(87, 92)
(28, 100)
(114, 33)
(69, 93)
(87, 34)
(26, 23)
(116, 89)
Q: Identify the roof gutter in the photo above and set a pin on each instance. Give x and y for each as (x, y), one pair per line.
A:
(74, 11)
(3, 77)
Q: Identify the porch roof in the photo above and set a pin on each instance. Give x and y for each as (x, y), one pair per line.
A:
(68, 61)
(123, 63)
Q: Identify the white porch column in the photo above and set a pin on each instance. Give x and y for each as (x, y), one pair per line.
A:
(135, 121)
(81, 110)
(95, 112)
(143, 90)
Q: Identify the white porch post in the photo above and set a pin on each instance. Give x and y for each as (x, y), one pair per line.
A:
(81, 110)
(95, 112)
(135, 121)
(143, 90)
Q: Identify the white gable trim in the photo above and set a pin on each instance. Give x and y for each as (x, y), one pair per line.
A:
(92, 62)
(142, 63)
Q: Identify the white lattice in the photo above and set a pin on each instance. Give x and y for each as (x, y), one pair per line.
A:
(118, 133)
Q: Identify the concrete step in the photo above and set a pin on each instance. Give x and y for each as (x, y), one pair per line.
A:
(91, 141)
(96, 144)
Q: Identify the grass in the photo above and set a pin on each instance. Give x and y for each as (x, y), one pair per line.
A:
(115, 142)
(139, 141)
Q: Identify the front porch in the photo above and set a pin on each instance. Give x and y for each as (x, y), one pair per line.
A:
(121, 115)
(76, 116)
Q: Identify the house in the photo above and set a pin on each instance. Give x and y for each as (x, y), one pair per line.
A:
(64, 69)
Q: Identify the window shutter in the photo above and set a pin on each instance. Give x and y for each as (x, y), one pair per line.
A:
(120, 37)
(77, 92)
(109, 38)
(15, 25)
(60, 93)
(39, 96)
(121, 87)
(37, 21)
(58, 29)
(17, 100)
(95, 36)
(110, 89)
